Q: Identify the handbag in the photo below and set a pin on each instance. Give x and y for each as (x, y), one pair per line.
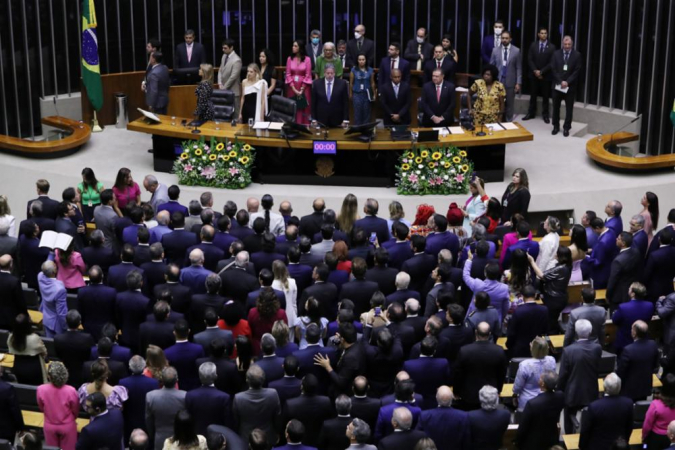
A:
(301, 101)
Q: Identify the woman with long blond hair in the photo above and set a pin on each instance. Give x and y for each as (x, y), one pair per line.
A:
(254, 100)
(155, 362)
(6, 216)
(349, 213)
(284, 282)
(204, 92)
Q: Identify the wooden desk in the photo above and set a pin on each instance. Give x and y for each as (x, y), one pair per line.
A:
(7, 361)
(34, 419)
(572, 440)
(507, 389)
(77, 135)
(35, 316)
(556, 340)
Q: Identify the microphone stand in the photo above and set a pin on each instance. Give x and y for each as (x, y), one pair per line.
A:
(481, 132)
(611, 146)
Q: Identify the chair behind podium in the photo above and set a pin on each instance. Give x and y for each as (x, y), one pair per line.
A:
(282, 109)
(223, 104)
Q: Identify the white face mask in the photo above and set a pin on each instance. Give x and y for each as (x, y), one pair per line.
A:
(498, 30)
(357, 35)
(420, 40)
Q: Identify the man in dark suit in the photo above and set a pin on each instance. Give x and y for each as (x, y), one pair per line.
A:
(206, 404)
(212, 254)
(539, 58)
(400, 251)
(305, 357)
(626, 314)
(202, 302)
(301, 273)
(264, 258)
(491, 41)
(332, 435)
(637, 364)
(528, 321)
(626, 268)
(131, 307)
(392, 62)
(330, 100)
(117, 274)
(12, 302)
(478, 364)
(403, 437)
(97, 254)
(130, 232)
(395, 100)
(157, 85)
(371, 223)
(566, 70)
(430, 371)
(670, 226)
(384, 276)
(351, 362)
(154, 271)
(228, 379)
(438, 101)
(538, 426)
(489, 423)
(32, 255)
(219, 438)
(660, 267)
(181, 296)
(119, 352)
(106, 428)
(524, 243)
(360, 44)
(223, 239)
(73, 347)
(445, 63)
(212, 331)
(64, 224)
(182, 356)
(269, 362)
(414, 320)
(195, 275)
(402, 293)
(359, 290)
(257, 407)
(420, 265)
(418, 51)
(49, 206)
(178, 241)
(579, 373)
(189, 53)
(314, 47)
(142, 249)
(364, 407)
(608, 418)
(640, 238)
(441, 238)
(441, 277)
(322, 290)
(138, 386)
(159, 332)
(311, 223)
(288, 386)
(11, 420)
(236, 282)
(309, 408)
(603, 254)
(446, 426)
(37, 216)
(116, 369)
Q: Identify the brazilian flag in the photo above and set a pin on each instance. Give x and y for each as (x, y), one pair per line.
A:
(91, 71)
(672, 114)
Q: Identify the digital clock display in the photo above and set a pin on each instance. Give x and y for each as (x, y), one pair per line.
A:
(325, 147)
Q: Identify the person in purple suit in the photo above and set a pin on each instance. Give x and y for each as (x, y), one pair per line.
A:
(613, 211)
(603, 254)
(183, 354)
(628, 313)
(172, 205)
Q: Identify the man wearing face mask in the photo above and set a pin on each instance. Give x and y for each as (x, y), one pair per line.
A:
(314, 47)
(492, 41)
(507, 59)
(360, 44)
(418, 50)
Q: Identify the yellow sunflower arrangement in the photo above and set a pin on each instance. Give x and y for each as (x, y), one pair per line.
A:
(433, 170)
(218, 164)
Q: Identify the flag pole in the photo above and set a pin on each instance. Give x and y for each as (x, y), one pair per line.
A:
(95, 127)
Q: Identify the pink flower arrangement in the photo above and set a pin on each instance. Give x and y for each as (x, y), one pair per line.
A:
(459, 178)
(413, 178)
(188, 168)
(209, 172)
(233, 171)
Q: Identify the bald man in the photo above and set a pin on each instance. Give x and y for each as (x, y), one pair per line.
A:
(252, 205)
(194, 276)
(404, 437)
(311, 224)
(448, 427)
(12, 302)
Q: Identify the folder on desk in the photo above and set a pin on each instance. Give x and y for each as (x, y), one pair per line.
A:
(509, 125)
(275, 126)
(456, 130)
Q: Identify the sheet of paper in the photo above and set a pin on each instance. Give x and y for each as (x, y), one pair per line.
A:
(456, 130)
(442, 131)
(509, 125)
(261, 125)
(461, 89)
(275, 126)
(494, 126)
(559, 87)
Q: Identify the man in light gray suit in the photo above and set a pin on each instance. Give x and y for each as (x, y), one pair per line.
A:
(104, 217)
(157, 86)
(160, 193)
(161, 407)
(508, 60)
(327, 242)
(257, 408)
(596, 315)
(229, 74)
(213, 332)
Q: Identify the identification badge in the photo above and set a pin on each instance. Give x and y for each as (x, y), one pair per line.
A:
(90, 204)
(504, 63)
(296, 79)
(565, 67)
(506, 203)
(361, 86)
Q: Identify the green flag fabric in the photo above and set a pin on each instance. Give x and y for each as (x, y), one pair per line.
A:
(91, 71)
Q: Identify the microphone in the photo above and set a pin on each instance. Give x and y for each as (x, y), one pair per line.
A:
(56, 107)
(611, 146)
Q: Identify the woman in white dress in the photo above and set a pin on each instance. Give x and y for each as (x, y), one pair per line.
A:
(549, 244)
(284, 282)
(6, 216)
(254, 100)
(474, 207)
(579, 248)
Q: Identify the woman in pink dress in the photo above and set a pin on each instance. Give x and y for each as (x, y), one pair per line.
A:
(71, 268)
(126, 190)
(299, 80)
(60, 405)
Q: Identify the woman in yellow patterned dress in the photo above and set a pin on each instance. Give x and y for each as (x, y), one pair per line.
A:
(489, 104)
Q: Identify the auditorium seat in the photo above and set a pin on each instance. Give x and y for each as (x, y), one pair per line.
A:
(281, 109)
(223, 104)
(27, 396)
(4, 335)
(639, 412)
(28, 370)
(31, 298)
(513, 369)
(51, 350)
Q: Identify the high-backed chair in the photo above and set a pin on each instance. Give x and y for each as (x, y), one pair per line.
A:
(223, 104)
(281, 109)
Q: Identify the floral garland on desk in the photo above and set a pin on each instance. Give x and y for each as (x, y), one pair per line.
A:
(436, 170)
(223, 164)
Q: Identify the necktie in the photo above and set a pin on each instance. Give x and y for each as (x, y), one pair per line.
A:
(438, 93)
(189, 52)
(225, 60)
(396, 91)
(506, 55)
(567, 55)
(438, 64)
(328, 91)
(419, 60)
(358, 45)
(392, 64)
(541, 48)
